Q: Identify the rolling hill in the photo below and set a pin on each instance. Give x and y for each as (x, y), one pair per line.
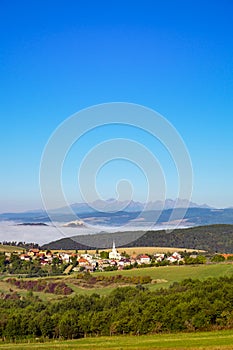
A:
(212, 238)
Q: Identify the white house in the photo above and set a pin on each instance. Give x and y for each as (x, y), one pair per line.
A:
(65, 257)
(144, 259)
(176, 257)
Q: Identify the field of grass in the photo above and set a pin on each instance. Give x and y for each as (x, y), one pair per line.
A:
(166, 275)
(154, 250)
(161, 276)
(139, 250)
(9, 249)
(218, 340)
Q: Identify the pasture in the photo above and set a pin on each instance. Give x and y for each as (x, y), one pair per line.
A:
(217, 340)
(162, 277)
(139, 250)
(10, 249)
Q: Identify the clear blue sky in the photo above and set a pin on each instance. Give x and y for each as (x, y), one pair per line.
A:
(57, 57)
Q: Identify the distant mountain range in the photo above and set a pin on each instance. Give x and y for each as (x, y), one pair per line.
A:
(111, 216)
(112, 205)
(113, 213)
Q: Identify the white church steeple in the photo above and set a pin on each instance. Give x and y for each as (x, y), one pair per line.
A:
(114, 254)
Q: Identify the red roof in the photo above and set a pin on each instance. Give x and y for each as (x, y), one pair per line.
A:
(34, 250)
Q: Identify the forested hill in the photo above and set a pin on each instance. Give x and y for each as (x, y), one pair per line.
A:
(213, 238)
(66, 244)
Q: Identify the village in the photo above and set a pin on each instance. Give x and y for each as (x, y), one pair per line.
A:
(98, 261)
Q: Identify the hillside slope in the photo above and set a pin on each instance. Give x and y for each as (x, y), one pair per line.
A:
(214, 238)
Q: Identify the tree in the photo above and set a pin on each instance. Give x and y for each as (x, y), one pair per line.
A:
(68, 325)
(2, 262)
(218, 258)
(46, 324)
(13, 327)
(104, 255)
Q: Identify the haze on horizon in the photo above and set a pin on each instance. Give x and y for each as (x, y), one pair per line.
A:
(172, 57)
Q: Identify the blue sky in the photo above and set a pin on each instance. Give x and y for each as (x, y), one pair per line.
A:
(58, 57)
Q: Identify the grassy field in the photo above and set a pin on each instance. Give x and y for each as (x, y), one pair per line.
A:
(218, 340)
(153, 250)
(9, 249)
(166, 275)
(161, 276)
(138, 250)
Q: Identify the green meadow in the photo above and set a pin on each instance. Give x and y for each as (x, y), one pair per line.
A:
(217, 340)
(162, 277)
(166, 275)
(10, 248)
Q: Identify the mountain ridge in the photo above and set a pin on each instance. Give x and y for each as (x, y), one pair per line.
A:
(176, 216)
(112, 205)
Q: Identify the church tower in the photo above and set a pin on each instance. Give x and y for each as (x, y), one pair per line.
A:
(114, 254)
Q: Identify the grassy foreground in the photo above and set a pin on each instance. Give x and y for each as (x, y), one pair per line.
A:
(218, 340)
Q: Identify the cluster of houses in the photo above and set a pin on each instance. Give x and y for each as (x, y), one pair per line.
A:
(91, 262)
(46, 257)
(174, 258)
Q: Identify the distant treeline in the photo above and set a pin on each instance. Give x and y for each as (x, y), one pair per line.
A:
(212, 238)
(191, 305)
